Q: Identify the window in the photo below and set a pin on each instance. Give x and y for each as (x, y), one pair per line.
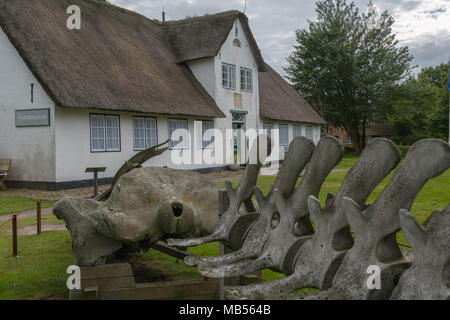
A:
(309, 132)
(181, 141)
(145, 133)
(349, 140)
(284, 135)
(246, 80)
(238, 117)
(297, 131)
(207, 135)
(228, 76)
(269, 128)
(105, 133)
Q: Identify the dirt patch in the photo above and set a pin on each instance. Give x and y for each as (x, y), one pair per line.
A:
(28, 230)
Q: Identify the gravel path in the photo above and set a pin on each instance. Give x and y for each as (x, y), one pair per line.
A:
(27, 214)
(28, 230)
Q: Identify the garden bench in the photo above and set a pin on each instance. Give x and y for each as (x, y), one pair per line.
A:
(5, 164)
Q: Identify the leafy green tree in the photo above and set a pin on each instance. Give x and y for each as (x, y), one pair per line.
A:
(439, 116)
(346, 68)
(421, 107)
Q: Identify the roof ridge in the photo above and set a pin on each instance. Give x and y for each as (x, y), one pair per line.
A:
(204, 17)
(125, 10)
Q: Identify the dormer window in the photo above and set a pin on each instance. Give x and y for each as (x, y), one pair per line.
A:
(228, 76)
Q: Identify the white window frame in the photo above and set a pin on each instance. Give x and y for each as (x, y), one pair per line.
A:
(312, 132)
(143, 139)
(179, 124)
(269, 128)
(282, 142)
(228, 76)
(108, 135)
(296, 131)
(207, 134)
(349, 140)
(246, 80)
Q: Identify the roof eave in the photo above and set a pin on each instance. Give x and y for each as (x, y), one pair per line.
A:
(279, 119)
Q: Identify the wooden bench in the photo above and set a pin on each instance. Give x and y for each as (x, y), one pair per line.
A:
(5, 164)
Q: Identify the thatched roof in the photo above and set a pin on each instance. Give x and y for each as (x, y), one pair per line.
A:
(202, 37)
(122, 61)
(278, 100)
(119, 60)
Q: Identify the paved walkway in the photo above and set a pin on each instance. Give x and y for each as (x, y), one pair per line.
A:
(27, 214)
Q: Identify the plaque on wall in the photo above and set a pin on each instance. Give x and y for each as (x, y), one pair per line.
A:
(32, 118)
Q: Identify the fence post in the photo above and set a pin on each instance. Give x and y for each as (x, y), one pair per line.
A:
(38, 216)
(224, 203)
(14, 234)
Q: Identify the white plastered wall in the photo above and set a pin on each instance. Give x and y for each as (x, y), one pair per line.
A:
(30, 148)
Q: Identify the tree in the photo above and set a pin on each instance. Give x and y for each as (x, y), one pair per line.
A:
(420, 107)
(346, 68)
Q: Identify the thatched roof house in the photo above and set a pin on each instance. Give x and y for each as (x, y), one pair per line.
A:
(122, 82)
(118, 60)
(275, 91)
(202, 37)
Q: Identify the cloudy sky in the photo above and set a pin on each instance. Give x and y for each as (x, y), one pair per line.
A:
(422, 25)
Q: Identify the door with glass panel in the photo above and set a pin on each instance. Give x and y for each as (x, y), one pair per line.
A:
(240, 145)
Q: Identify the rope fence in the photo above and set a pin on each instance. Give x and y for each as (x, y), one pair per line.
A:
(39, 203)
(13, 218)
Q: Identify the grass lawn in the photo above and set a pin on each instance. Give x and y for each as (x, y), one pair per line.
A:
(40, 270)
(13, 204)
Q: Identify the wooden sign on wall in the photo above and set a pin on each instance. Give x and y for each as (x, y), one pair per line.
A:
(32, 117)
